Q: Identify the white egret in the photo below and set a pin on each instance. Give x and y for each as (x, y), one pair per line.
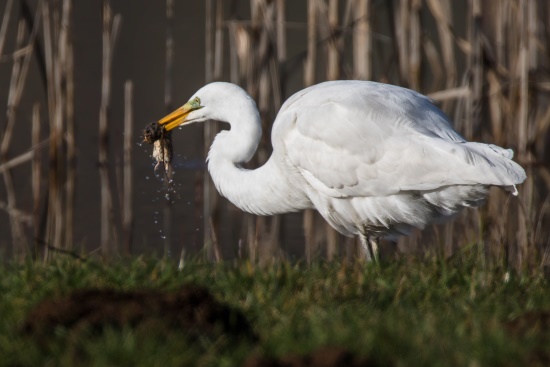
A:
(375, 160)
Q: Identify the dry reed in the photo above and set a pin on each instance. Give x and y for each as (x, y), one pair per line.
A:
(486, 72)
(168, 105)
(127, 211)
(18, 77)
(209, 197)
(66, 75)
(111, 26)
(311, 218)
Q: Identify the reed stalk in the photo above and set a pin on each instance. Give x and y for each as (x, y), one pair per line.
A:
(213, 68)
(281, 31)
(441, 11)
(333, 73)
(362, 47)
(106, 197)
(128, 187)
(333, 46)
(36, 176)
(56, 216)
(111, 26)
(168, 105)
(66, 148)
(17, 83)
(309, 217)
(5, 23)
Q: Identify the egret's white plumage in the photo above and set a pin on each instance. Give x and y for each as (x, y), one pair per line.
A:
(374, 159)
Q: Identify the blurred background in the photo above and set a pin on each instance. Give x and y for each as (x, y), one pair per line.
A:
(79, 80)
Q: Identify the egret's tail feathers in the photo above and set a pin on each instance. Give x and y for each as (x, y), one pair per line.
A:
(496, 164)
(508, 153)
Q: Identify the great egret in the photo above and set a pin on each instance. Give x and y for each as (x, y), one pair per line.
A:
(375, 160)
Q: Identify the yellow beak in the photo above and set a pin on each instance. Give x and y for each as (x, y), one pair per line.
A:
(178, 117)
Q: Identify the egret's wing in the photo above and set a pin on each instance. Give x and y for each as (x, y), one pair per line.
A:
(369, 139)
(387, 104)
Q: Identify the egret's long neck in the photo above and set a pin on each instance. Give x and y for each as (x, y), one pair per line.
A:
(263, 191)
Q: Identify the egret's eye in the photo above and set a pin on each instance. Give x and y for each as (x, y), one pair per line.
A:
(194, 103)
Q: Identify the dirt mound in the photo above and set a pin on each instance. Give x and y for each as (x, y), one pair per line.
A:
(322, 357)
(529, 321)
(192, 309)
(529, 324)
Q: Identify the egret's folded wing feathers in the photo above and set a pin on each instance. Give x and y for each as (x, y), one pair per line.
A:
(349, 145)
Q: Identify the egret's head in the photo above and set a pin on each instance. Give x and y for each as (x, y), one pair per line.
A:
(182, 115)
(218, 101)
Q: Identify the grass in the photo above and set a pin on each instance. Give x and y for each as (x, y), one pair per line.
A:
(409, 312)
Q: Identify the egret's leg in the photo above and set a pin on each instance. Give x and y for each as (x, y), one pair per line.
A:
(373, 245)
(366, 248)
(370, 247)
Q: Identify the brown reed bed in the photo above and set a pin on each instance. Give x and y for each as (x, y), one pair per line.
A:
(484, 63)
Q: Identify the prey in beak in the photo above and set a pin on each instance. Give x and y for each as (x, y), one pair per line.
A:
(179, 116)
(159, 134)
(161, 139)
